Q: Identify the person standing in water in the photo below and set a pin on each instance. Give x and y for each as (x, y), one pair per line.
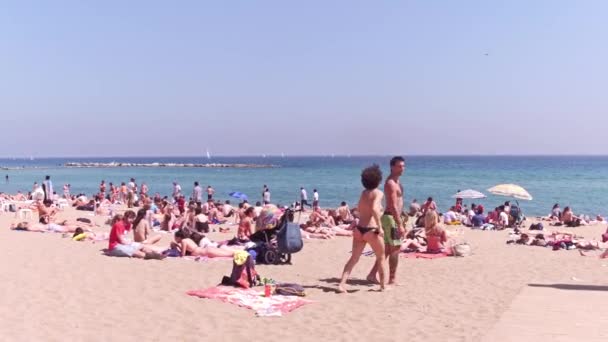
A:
(47, 187)
(393, 225)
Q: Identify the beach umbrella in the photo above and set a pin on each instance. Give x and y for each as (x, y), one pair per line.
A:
(269, 217)
(469, 193)
(238, 195)
(511, 190)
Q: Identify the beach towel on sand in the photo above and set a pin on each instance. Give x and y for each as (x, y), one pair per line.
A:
(415, 255)
(252, 299)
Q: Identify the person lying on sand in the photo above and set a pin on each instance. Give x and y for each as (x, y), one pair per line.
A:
(81, 235)
(44, 227)
(414, 241)
(187, 246)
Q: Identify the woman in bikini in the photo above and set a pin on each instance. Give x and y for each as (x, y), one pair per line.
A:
(187, 246)
(369, 230)
(435, 234)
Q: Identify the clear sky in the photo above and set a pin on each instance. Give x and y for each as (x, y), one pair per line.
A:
(115, 78)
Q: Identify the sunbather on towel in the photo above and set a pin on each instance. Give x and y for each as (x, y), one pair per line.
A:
(435, 234)
(187, 246)
(44, 228)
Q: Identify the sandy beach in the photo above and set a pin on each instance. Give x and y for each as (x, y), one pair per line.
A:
(55, 289)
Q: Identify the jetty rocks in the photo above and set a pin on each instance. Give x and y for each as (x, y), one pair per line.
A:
(208, 165)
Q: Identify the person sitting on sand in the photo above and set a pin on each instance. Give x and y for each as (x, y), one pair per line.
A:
(46, 213)
(503, 218)
(478, 220)
(246, 225)
(428, 205)
(187, 246)
(120, 246)
(318, 218)
(435, 234)
(570, 220)
(414, 208)
(556, 213)
(343, 213)
(369, 229)
(142, 229)
(450, 217)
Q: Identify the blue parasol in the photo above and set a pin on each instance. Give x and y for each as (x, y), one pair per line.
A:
(238, 195)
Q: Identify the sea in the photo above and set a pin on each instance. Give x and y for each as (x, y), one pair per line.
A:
(580, 182)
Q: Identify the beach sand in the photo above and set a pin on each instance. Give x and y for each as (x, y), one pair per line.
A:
(55, 289)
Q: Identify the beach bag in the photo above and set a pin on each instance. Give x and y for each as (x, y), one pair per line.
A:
(289, 236)
(243, 275)
(536, 226)
(461, 249)
(290, 290)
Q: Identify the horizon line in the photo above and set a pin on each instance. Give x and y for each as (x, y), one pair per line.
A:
(308, 156)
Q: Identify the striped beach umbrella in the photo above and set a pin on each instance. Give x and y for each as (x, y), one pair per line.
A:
(470, 194)
(511, 190)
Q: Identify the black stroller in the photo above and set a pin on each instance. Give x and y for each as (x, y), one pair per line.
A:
(275, 246)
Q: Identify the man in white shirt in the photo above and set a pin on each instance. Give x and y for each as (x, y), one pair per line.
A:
(197, 193)
(315, 198)
(266, 196)
(450, 216)
(303, 199)
(177, 190)
(131, 186)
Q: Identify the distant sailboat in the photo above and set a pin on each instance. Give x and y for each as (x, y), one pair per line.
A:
(208, 154)
(263, 156)
(282, 155)
(31, 158)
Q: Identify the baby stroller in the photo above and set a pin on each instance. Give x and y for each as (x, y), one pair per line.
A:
(517, 216)
(275, 246)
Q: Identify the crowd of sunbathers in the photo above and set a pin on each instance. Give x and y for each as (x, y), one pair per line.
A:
(190, 221)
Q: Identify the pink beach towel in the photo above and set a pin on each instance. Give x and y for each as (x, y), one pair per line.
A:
(252, 299)
(424, 255)
(414, 255)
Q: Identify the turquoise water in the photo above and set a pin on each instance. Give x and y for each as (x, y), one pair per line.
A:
(581, 182)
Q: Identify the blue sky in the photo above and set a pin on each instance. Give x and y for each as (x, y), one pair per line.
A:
(112, 78)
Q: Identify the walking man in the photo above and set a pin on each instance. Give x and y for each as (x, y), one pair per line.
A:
(303, 199)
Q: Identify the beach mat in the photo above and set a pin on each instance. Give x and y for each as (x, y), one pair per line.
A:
(424, 255)
(413, 255)
(253, 299)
